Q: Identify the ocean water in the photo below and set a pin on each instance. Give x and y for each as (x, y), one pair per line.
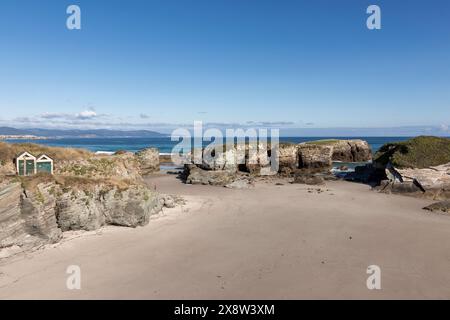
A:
(165, 144)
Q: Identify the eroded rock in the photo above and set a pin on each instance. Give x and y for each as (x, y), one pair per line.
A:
(308, 179)
(196, 175)
(315, 157)
(148, 161)
(351, 151)
(442, 207)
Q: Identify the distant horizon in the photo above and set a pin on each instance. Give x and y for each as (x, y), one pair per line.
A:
(338, 132)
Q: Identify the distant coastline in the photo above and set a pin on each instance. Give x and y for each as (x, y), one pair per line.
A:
(21, 137)
(43, 134)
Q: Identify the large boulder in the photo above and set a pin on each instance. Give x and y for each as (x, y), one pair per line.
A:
(442, 207)
(432, 183)
(351, 151)
(94, 206)
(196, 175)
(148, 160)
(309, 179)
(315, 156)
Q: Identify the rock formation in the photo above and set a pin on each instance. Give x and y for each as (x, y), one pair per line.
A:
(351, 151)
(224, 167)
(315, 157)
(196, 175)
(27, 217)
(417, 167)
(86, 192)
(148, 161)
(288, 156)
(309, 179)
(442, 207)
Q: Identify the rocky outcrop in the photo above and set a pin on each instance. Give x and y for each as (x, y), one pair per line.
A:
(431, 183)
(11, 221)
(148, 161)
(410, 168)
(86, 192)
(90, 209)
(418, 153)
(196, 175)
(37, 211)
(314, 157)
(309, 179)
(256, 159)
(351, 151)
(27, 218)
(288, 156)
(220, 158)
(442, 207)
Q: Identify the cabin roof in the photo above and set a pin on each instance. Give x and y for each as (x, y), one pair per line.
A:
(44, 156)
(25, 155)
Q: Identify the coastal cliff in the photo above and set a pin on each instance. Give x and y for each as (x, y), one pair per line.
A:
(85, 193)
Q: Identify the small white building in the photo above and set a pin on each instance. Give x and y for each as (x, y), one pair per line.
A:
(26, 164)
(44, 164)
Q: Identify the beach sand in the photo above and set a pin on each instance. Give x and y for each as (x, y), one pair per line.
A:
(270, 242)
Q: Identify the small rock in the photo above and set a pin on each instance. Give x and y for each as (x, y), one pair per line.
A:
(308, 179)
(439, 207)
(239, 184)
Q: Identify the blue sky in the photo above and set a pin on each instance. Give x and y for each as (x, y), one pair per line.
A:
(292, 64)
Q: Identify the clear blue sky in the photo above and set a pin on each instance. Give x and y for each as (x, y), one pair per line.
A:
(145, 63)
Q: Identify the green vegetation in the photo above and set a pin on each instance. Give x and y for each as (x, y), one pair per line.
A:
(420, 152)
(9, 151)
(323, 142)
(40, 197)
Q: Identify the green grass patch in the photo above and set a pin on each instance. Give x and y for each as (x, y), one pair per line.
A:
(420, 152)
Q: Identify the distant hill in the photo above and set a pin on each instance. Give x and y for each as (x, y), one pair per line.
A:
(98, 133)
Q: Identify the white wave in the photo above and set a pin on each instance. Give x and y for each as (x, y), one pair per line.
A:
(109, 153)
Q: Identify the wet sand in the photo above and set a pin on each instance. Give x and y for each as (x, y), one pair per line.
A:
(270, 242)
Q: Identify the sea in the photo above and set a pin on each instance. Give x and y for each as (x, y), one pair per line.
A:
(165, 144)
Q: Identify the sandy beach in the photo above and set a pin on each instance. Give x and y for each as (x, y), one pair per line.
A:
(285, 241)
